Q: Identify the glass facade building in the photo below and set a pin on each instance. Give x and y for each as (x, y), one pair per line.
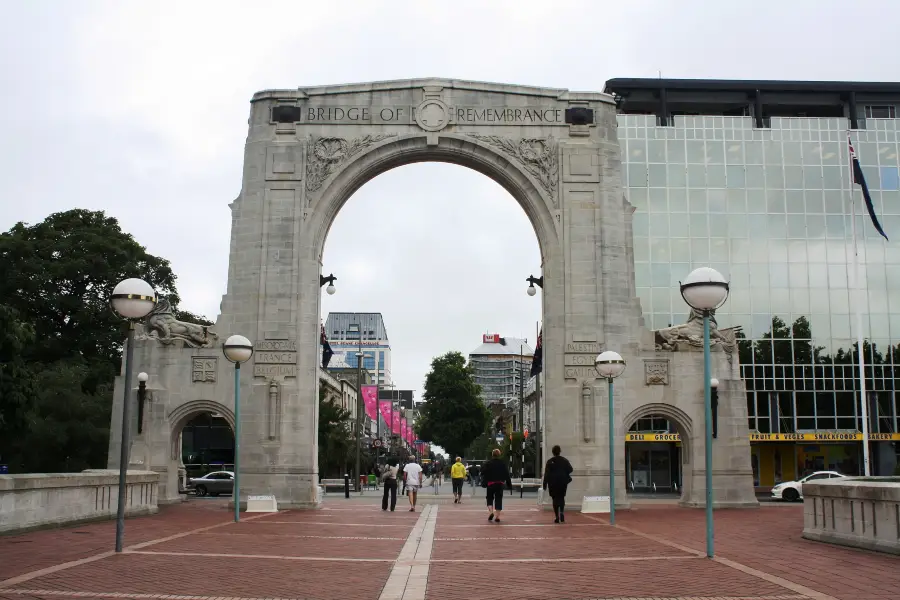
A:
(760, 189)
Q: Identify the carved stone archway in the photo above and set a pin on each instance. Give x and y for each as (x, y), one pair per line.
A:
(307, 151)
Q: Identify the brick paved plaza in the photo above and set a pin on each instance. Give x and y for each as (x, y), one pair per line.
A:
(351, 549)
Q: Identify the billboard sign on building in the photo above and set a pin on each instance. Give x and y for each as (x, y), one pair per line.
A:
(490, 338)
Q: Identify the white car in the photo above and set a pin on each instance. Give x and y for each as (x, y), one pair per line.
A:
(793, 490)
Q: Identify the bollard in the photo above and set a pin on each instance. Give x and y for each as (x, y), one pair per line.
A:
(346, 485)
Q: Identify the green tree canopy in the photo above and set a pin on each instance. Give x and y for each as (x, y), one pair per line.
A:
(453, 415)
(58, 275)
(335, 441)
(60, 342)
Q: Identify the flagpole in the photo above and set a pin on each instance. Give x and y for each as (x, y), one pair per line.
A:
(863, 399)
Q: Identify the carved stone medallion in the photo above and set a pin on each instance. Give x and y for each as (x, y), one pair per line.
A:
(656, 372)
(203, 369)
(325, 154)
(539, 156)
(432, 115)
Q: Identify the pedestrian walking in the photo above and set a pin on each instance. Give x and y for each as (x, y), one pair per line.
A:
(557, 476)
(495, 478)
(389, 481)
(436, 478)
(457, 478)
(412, 475)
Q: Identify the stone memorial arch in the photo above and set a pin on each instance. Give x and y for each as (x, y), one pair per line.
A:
(307, 151)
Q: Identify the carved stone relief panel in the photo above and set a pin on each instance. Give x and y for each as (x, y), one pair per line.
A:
(656, 372)
(203, 369)
(539, 156)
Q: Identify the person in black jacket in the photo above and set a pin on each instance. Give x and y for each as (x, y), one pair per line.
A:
(495, 477)
(557, 475)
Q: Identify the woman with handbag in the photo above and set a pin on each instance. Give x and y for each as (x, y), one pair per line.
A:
(495, 478)
(389, 479)
(557, 476)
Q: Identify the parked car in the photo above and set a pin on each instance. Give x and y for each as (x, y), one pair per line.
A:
(793, 490)
(215, 483)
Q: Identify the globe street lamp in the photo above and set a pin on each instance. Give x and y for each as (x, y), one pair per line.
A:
(705, 290)
(237, 349)
(131, 299)
(610, 365)
(330, 281)
(534, 280)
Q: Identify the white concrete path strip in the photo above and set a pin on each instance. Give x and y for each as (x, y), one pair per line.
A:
(409, 577)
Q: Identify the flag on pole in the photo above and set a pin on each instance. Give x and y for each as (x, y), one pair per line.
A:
(327, 352)
(537, 361)
(859, 179)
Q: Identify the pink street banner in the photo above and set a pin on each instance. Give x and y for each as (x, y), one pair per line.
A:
(395, 426)
(370, 399)
(404, 434)
(384, 407)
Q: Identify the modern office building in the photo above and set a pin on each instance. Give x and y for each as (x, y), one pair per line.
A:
(502, 366)
(752, 178)
(351, 333)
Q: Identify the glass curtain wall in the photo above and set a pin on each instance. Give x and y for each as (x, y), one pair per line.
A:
(770, 209)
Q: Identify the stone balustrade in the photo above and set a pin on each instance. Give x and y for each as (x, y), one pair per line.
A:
(863, 512)
(36, 500)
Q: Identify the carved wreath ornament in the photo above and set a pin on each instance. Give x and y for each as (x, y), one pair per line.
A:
(325, 154)
(539, 156)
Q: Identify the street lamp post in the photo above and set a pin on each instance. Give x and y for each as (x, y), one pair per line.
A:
(132, 299)
(610, 365)
(705, 290)
(537, 387)
(237, 349)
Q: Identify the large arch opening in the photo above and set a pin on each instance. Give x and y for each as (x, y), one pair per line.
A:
(480, 247)
(658, 451)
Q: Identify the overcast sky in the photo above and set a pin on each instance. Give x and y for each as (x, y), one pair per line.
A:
(140, 109)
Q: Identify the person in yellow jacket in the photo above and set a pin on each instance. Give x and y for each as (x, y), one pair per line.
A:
(458, 477)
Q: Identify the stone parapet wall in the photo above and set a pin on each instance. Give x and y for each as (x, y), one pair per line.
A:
(36, 500)
(863, 512)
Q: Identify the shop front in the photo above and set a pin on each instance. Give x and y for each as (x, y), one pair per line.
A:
(653, 462)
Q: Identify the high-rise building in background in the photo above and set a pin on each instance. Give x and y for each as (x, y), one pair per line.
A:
(502, 367)
(350, 333)
(752, 178)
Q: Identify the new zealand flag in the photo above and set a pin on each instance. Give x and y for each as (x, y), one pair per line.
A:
(327, 352)
(860, 180)
(537, 362)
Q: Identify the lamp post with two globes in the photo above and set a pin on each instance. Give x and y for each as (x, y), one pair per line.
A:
(132, 299)
(705, 290)
(237, 349)
(610, 365)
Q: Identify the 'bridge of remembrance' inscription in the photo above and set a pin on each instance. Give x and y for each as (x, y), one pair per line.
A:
(406, 115)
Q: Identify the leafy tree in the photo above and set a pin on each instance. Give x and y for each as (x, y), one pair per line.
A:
(59, 274)
(16, 379)
(453, 415)
(67, 426)
(335, 440)
(60, 342)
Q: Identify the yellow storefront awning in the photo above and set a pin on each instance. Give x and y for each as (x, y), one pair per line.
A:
(822, 436)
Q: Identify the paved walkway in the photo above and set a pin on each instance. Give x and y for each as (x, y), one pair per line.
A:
(351, 549)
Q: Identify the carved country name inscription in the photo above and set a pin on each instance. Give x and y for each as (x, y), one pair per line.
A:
(275, 358)
(462, 115)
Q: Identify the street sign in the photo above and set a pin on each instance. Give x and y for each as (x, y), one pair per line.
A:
(499, 438)
(525, 432)
(377, 443)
